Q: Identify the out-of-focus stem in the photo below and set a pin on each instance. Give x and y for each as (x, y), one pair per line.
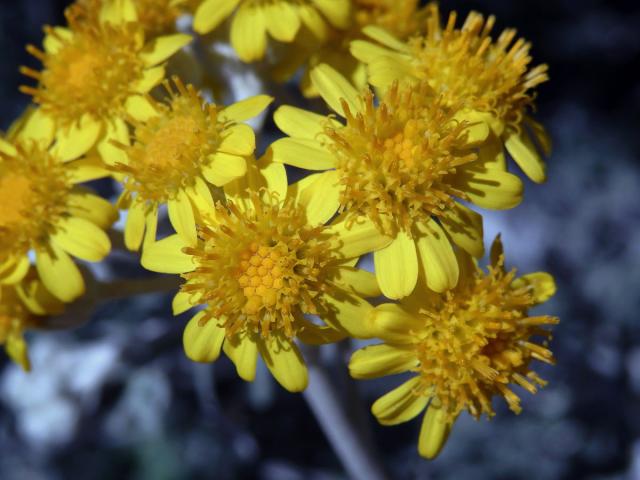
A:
(348, 442)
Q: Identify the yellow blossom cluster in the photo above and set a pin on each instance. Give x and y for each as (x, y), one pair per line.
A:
(419, 116)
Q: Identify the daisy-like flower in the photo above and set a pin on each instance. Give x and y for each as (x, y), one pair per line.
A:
(94, 73)
(44, 210)
(21, 308)
(402, 162)
(263, 262)
(156, 17)
(183, 148)
(462, 348)
(402, 18)
(491, 79)
(281, 19)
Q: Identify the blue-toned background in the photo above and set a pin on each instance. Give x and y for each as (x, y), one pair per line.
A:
(116, 399)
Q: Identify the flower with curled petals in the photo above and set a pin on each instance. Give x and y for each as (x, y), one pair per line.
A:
(96, 73)
(462, 348)
(491, 78)
(281, 19)
(44, 210)
(179, 153)
(264, 262)
(403, 161)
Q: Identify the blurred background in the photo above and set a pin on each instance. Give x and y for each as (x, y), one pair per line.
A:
(116, 398)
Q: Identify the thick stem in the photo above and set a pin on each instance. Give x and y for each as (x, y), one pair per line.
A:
(348, 442)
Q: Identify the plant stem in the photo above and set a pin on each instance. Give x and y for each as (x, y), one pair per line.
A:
(348, 442)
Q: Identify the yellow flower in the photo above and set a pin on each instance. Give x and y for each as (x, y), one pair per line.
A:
(402, 162)
(182, 148)
(21, 307)
(463, 347)
(97, 72)
(402, 18)
(263, 261)
(156, 17)
(281, 19)
(43, 210)
(491, 79)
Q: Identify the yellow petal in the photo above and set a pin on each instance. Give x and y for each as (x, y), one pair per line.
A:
(261, 174)
(396, 266)
(202, 342)
(491, 155)
(247, 108)
(183, 301)
(87, 168)
(161, 48)
(38, 127)
(284, 361)
(393, 324)
(249, 32)
(541, 284)
(13, 271)
(300, 123)
(336, 11)
(282, 21)
(540, 134)
(182, 217)
(366, 51)
(400, 404)
(238, 140)
(38, 299)
(492, 189)
(200, 196)
(303, 153)
(313, 334)
(140, 108)
(385, 38)
(151, 77)
(334, 88)
(359, 281)
(358, 237)
(524, 152)
(17, 350)
(222, 168)
(437, 257)
(211, 13)
(134, 227)
(166, 256)
(319, 194)
(118, 12)
(7, 148)
(313, 21)
(464, 226)
(383, 71)
(75, 140)
(349, 312)
(82, 239)
(376, 361)
(59, 274)
(433, 433)
(53, 43)
(243, 352)
(117, 131)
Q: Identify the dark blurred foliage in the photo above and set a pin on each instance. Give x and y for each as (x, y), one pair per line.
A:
(117, 399)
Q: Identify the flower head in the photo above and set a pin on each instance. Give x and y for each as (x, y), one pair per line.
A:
(42, 209)
(403, 162)
(281, 19)
(96, 72)
(183, 148)
(463, 347)
(491, 79)
(263, 262)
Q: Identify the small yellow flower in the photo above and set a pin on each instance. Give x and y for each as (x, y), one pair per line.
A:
(281, 19)
(403, 162)
(21, 308)
(464, 347)
(402, 18)
(156, 17)
(491, 79)
(181, 149)
(263, 262)
(96, 72)
(42, 209)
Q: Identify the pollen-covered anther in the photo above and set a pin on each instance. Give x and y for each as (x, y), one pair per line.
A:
(396, 159)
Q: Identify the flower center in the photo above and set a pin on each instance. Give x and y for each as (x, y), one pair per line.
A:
(171, 148)
(93, 72)
(33, 195)
(476, 341)
(464, 65)
(395, 160)
(260, 271)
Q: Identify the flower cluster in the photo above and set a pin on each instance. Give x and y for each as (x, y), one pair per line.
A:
(420, 118)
